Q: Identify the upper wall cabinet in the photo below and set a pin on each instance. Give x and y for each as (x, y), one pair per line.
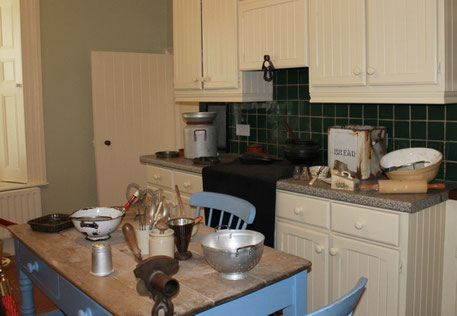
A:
(205, 45)
(382, 51)
(278, 28)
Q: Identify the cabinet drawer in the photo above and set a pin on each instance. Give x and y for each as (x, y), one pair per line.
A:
(75, 302)
(39, 272)
(159, 176)
(366, 223)
(188, 183)
(303, 209)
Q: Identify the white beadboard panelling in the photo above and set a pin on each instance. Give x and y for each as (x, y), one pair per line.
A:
(220, 38)
(312, 245)
(19, 206)
(277, 28)
(337, 37)
(134, 108)
(449, 294)
(187, 39)
(425, 261)
(402, 41)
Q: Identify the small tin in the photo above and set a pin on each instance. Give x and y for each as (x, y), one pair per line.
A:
(102, 264)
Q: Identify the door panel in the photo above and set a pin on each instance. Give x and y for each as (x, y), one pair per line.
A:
(313, 246)
(337, 42)
(133, 108)
(220, 42)
(13, 160)
(380, 265)
(187, 39)
(402, 46)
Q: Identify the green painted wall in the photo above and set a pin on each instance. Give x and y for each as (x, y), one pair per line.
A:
(70, 30)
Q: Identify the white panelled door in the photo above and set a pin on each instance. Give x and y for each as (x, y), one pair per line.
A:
(13, 160)
(134, 115)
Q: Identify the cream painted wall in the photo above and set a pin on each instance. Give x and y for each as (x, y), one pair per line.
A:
(70, 30)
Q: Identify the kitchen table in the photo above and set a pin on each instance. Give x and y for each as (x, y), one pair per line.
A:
(60, 263)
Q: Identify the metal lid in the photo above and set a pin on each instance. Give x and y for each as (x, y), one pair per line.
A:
(199, 117)
(101, 246)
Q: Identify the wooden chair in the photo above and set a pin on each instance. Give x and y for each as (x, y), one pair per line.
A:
(242, 209)
(344, 305)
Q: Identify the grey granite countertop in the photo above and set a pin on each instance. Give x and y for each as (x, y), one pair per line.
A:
(181, 163)
(409, 203)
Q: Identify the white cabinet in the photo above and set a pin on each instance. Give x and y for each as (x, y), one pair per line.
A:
(205, 46)
(166, 179)
(394, 51)
(392, 249)
(278, 28)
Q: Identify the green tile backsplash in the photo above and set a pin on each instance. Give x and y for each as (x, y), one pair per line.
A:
(433, 126)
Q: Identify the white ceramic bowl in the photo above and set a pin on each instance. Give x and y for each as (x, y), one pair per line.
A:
(410, 155)
(97, 223)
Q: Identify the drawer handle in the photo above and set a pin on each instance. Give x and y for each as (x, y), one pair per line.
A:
(333, 251)
(156, 176)
(298, 210)
(33, 267)
(186, 185)
(370, 71)
(87, 312)
(358, 225)
(318, 249)
(356, 71)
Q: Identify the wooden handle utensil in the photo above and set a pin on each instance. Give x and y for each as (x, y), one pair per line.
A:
(405, 186)
(129, 233)
(178, 195)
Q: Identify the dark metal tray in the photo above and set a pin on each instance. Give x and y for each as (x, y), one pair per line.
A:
(51, 223)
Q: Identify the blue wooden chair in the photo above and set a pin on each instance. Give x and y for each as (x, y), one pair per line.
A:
(344, 305)
(234, 206)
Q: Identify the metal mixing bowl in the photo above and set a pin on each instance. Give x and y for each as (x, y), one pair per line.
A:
(233, 252)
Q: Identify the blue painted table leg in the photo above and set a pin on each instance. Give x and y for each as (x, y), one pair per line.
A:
(299, 296)
(26, 287)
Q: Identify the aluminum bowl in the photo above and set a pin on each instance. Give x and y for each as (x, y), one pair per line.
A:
(233, 252)
(97, 223)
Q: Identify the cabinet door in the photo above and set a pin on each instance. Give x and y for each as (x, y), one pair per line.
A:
(313, 246)
(402, 42)
(351, 260)
(187, 39)
(337, 42)
(273, 27)
(220, 60)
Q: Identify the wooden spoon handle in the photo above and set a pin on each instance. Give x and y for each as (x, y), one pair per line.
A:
(129, 234)
(289, 130)
(178, 195)
(437, 186)
(369, 187)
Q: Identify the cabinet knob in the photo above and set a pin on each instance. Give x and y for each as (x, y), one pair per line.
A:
(333, 251)
(318, 249)
(358, 225)
(33, 267)
(107, 142)
(186, 185)
(370, 71)
(356, 71)
(86, 312)
(298, 210)
(156, 176)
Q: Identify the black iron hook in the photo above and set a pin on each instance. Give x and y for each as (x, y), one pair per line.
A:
(267, 70)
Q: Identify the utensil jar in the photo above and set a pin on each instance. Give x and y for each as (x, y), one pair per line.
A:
(162, 244)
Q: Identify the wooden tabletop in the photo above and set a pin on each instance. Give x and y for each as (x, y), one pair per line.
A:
(201, 288)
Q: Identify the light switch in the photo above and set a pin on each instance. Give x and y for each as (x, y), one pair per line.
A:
(242, 130)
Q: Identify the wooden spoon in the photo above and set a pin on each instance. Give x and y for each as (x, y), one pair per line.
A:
(178, 195)
(289, 130)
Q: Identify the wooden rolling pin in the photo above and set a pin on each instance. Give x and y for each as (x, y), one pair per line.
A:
(406, 186)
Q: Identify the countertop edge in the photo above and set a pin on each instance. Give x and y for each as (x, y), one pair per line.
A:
(364, 199)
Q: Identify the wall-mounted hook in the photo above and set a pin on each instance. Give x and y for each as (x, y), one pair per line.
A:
(267, 68)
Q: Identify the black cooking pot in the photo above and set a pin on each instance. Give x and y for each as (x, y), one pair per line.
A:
(301, 151)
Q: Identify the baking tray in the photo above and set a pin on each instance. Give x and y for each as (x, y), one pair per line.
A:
(51, 223)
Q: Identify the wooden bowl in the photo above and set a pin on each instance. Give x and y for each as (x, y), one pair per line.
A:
(409, 155)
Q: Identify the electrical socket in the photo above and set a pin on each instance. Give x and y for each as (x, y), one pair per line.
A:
(243, 130)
